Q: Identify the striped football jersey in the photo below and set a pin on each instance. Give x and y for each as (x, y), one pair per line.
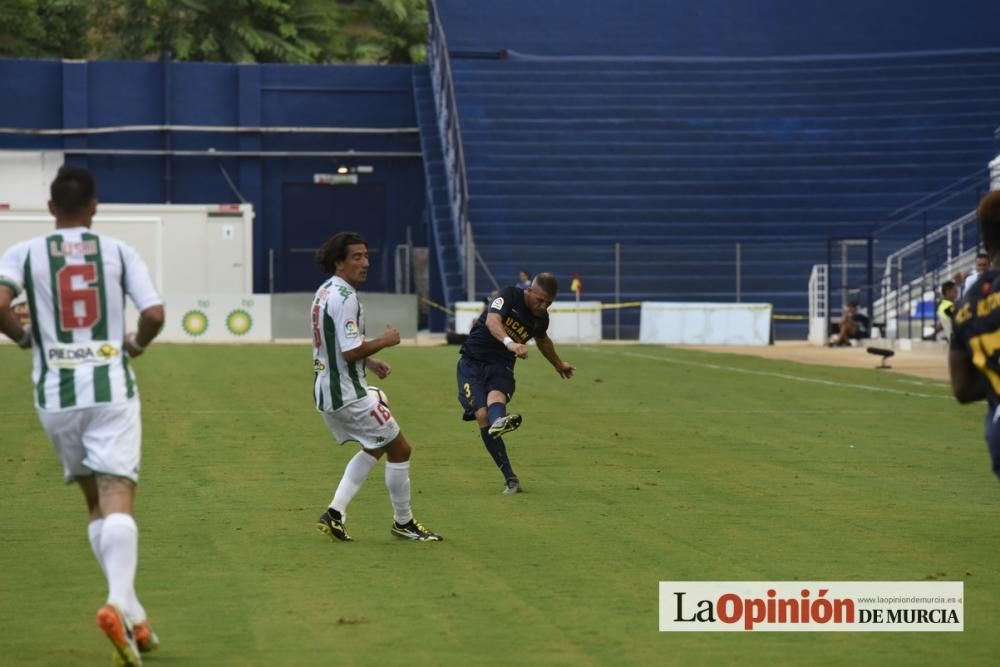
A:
(338, 325)
(75, 281)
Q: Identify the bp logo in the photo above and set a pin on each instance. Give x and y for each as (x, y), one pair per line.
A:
(106, 351)
(239, 322)
(194, 322)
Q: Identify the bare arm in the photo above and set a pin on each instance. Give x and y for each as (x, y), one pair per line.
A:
(548, 350)
(379, 367)
(495, 326)
(370, 347)
(9, 323)
(150, 322)
(967, 384)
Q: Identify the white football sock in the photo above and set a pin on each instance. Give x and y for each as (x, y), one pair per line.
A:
(134, 609)
(397, 480)
(136, 612)
(94, 535)
(120, 555)
(354, 476)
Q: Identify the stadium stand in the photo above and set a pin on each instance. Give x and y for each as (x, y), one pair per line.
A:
(691, 163)
(447, 279)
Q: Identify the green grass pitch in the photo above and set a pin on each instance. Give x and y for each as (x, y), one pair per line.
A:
(652, 464)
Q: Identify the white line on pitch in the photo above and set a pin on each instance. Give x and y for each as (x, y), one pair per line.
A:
(784, 376)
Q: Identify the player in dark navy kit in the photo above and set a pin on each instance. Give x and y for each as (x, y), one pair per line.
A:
(486, 368)
(974, 360)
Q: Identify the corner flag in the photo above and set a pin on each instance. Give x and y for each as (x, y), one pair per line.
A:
(576, 285)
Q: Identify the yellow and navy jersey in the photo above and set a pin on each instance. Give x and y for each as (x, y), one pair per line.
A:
(518, 321)
(977, 329)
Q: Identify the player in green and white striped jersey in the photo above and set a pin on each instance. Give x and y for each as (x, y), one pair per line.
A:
(85, 392)
(340, 356)
(75, 281)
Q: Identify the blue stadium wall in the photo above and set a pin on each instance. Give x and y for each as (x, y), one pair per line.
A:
(745, 28)
(55, 94)
(290, 209)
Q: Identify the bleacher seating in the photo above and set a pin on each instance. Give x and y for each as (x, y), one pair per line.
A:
(446, 275)
(680, 160)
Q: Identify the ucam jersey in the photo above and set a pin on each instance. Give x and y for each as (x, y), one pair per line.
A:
(518, 322)
(75, 281)
(977, 330)
(338, 325)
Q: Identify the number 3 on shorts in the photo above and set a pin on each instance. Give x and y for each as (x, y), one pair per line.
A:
(468, 395)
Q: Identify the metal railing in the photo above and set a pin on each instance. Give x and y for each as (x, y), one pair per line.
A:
(446, 107)
(944, 245)
(909, 273)
(913, 274)
(958, 236)
(621, 274)
(918, 210)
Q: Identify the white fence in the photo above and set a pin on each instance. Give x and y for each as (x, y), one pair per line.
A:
(569, 321)
(200, 257)
(660, 323)
(705, 323)
(189, 249)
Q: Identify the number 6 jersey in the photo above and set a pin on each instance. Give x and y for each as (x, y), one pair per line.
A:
(75, 282)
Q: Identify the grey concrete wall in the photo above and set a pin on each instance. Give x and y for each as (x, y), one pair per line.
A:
(290, 314)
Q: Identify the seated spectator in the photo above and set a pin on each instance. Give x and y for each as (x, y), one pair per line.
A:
(524, 279)
(854, 325)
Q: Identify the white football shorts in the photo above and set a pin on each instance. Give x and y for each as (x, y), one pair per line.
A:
(365, 421)
(105, 439)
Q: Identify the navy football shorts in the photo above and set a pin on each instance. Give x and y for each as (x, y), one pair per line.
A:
(476, 379)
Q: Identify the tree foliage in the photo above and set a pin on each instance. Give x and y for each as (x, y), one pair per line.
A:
(385, 31)
(44, 28)
(240, 31)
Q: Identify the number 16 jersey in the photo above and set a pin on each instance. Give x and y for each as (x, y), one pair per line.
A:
(75, 282)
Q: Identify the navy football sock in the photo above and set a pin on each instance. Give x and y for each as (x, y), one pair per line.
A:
(496, 411)
(498, 451)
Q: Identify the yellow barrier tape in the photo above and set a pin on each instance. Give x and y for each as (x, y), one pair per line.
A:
(557, 309)
(568, 308)
(627, 304)
(563, 307)
(558, 306)
(434, 304)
